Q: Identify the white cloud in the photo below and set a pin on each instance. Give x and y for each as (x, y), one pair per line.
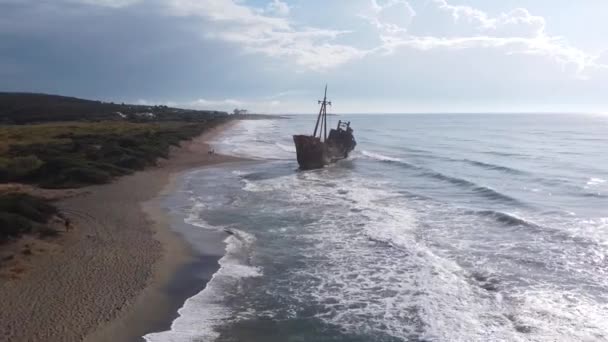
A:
(466, 13)
(310, 47)
(254, 106)
(518, 22)
(203, 103)
(269, 104)
(515, 32)
(278, 7)
(269, 30)
(107, 3)
(390, 16)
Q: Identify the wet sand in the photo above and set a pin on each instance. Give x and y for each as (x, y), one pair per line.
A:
(121, 272)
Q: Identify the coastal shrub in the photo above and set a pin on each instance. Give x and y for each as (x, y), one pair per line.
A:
(113, 170)
(29, 207)
(5, 173)
(76, 177)
(24, 108)
(18, 168)
(47, 232)
(53, 166)
(75, 154)
(131, 162)
(24, 214)
(127, 142)
(13, 225)
(85, 175)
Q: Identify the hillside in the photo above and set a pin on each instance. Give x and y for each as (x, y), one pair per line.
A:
(25, 108)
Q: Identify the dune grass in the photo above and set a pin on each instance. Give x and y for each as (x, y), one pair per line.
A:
(75, 154)
(24, 214)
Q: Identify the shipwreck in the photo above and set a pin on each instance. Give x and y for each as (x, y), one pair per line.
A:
(319, 149)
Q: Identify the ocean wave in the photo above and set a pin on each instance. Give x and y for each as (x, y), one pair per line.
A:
(490, 166)
(380, 157)
(201, 314)
(450, 179)
(394, 284)
(286, 148)
(507, 219)
(391, 160)
(254, 139)
(495, 195)
(596, 181)
(483, 190)
(505, 154)
(594, 195)
(563, 313)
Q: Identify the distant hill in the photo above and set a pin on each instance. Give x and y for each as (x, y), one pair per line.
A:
(25, 108)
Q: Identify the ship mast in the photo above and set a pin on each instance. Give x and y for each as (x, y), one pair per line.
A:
(321, 125)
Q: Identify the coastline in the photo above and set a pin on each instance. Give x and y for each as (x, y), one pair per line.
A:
(116, 275)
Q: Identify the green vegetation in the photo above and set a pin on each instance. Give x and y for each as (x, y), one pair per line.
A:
(24, 214)
(62, 142)
(75, 154)
(26, 108)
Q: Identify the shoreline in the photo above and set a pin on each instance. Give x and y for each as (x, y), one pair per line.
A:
(117, 275)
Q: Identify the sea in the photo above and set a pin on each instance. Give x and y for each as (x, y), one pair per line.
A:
(438, 227)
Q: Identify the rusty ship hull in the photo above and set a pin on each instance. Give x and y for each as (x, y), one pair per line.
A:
(317, 150)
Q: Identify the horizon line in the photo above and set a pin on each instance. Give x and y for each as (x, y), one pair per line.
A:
(450, 113)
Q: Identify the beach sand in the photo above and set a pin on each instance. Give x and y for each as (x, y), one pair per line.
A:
(121, 272)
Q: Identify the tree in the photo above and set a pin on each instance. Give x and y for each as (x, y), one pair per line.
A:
(237, 111)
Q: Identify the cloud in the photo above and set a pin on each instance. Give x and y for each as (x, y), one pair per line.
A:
(258, 106)
(106, 3)
(390, 16)
(278, 7)
(515, 32)
(257, 32)
(518, 22)
(203, 103)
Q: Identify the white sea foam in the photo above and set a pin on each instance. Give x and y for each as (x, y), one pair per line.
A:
(411, 288)
(286, 148)
(595, 181)
(379, 156)
(250, 139)
(375, 262)
(193, 213)
(375, 271)
(364, 287)
(551, 314)
(201, 314)
(596, 185)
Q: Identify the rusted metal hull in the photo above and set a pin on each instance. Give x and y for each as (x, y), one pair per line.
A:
(312, 153)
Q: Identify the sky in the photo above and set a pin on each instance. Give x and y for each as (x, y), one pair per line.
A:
(275, 56)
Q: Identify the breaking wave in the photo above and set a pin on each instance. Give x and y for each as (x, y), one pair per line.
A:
(508, 219)
(404, 246)
(380, 157)
(595, 181)
(495, 167)
(201, 314)
(474, 187)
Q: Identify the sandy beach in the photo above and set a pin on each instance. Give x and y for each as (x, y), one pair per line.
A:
(107, 279)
